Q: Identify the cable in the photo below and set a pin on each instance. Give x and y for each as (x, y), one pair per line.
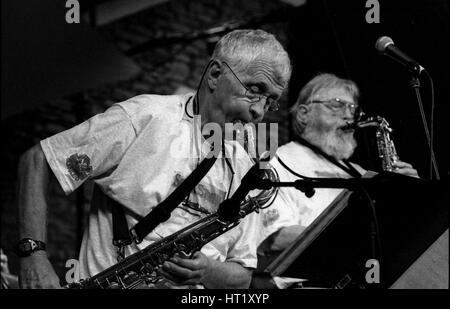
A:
(375, 229)
(290, 170)
(415, 85)
(196, 105)
(432, 127)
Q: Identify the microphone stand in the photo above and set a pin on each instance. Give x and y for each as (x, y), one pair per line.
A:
(254, 179)
(415, 84)
(307, 185)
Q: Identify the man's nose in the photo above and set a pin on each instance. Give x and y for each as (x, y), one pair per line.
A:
(349, 112)
(257, 110)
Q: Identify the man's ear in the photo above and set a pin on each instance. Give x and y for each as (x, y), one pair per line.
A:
(213, 74)
(303, 114)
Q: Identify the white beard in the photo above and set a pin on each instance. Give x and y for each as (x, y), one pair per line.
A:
(332, 141)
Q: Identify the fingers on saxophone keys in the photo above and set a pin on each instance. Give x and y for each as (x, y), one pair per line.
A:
(167, 275)
(180, 255)
(177, 274)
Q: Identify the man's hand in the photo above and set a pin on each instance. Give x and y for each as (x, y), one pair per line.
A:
(4, 262)
(404, 168)
(36, 272)
(212, 274)
(186, 271)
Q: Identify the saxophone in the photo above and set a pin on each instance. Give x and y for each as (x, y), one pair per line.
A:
(140, 269)
(386, 148)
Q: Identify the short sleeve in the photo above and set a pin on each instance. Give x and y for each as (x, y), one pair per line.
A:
(90, 148)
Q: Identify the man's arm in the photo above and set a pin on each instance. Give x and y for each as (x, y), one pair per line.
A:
(33, 176)
(227, 275)
(211, 273)
(282, 238)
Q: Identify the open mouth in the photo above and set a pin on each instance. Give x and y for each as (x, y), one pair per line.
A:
(347, 128)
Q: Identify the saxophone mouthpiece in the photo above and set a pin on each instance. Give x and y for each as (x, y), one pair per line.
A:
(349, 126)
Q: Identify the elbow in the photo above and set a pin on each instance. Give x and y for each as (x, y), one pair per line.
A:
(243, 280)
(246, 280)
(240, 280)
(227, 275)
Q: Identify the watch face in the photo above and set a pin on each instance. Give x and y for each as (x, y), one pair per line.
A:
(27, 246)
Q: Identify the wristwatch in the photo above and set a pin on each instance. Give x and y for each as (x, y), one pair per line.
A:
(27, 246)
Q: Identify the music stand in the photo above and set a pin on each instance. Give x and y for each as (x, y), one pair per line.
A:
(333, 251)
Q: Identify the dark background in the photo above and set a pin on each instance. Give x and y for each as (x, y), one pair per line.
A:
(55, 75)
(334, 36)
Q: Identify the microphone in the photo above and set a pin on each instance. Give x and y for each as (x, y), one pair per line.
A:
(229, 208)
(386, 46)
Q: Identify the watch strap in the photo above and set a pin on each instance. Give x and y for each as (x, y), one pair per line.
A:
(27, 246)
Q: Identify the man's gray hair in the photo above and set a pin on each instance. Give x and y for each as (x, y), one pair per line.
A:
(320, 82)
(240, 48)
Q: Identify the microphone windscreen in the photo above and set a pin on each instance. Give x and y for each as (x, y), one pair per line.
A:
(382, 43)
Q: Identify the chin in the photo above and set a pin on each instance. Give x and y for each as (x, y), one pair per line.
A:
(341, 145)
(336, 143)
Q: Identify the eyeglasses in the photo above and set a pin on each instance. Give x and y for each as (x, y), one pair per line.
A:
(338, 105)
(271, 105)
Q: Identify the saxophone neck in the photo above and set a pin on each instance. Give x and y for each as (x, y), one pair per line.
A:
(376, 121)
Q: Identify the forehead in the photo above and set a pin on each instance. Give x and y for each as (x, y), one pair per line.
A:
(262, 73)
(331, 93)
